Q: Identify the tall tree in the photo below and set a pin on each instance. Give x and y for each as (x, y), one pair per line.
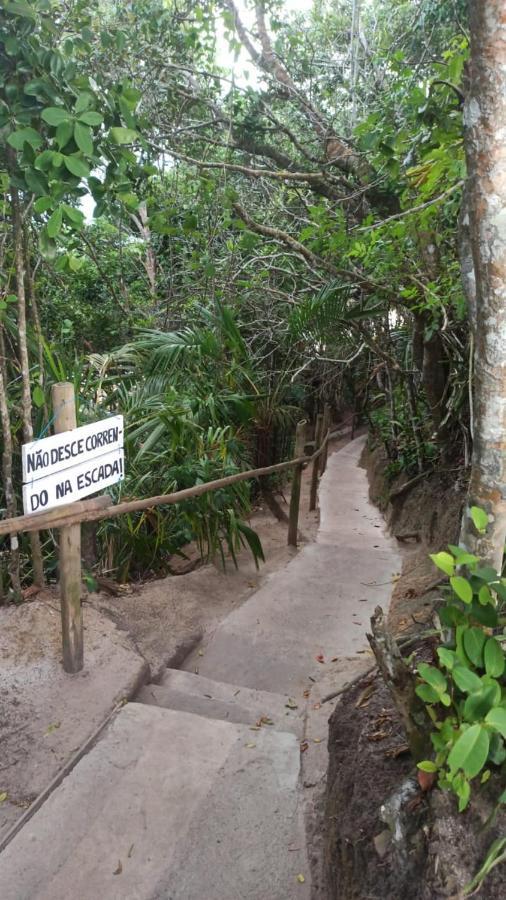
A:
(485, 123)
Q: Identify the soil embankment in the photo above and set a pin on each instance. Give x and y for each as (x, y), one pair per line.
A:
(385, 839)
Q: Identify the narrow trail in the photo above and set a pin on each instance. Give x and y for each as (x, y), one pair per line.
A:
(199, 790)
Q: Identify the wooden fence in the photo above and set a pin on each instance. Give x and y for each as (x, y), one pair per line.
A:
(69, 518)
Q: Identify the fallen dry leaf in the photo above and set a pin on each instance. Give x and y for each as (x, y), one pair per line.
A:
(264, 720)
(119, 870)
(300, 878)
(317, 740)
(394, 752)
(377, 736)
(303, 746)
(320, 658)
(307, 693)
(365, 696)
(3, 796)
(250, 746)
(316, 705)
(291, 704)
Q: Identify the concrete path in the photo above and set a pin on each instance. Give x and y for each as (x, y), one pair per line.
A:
(200, 791)
(320, 604)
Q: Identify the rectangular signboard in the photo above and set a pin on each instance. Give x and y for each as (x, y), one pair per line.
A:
(74, 483)
(71, 448)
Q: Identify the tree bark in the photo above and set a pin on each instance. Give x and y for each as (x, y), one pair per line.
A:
(10, 496)
(26, 402)
(485, 123)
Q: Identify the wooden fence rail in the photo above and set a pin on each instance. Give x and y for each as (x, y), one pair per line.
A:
(69, 518)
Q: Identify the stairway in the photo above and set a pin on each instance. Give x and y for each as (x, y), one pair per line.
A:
(194, 791)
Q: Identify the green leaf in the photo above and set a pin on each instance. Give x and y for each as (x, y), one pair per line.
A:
(474, 641)
(55, 115)
(478, 704)
(123, 135)
(77, 166)
(83, 139)
(91, 118)
(54, 223)
(462, 557)
(84, 100)
(18, 138)
(497, 719)
(494, 658)
(38, 396)
(433, 677)
(36, 183)
(480, 518)
(42, 204)
(64, 133)
(74, 216)
(427, 693)
(427, 766)
(484, 595)
(497, 752)
(470, 751)
(443, 561)
(462, 588)
(447, 657)
(466, 680)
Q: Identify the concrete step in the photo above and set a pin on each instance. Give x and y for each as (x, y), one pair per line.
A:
(168, 806)
(193, 693)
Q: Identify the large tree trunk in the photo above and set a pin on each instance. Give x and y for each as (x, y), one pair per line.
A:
(485, 124)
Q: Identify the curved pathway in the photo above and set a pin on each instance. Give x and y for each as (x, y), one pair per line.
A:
(196, 791)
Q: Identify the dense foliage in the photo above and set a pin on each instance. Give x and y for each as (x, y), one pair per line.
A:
(212, 255)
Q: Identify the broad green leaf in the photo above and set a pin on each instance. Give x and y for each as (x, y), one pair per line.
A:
(91, 118)
(470, 751)
(497, 719)
(479, 517)
(466, 680)
(478, 704)
(497, 752)
(64, 133)
(123, 135)
(75, 216)
(474, 641)
(36, 182)
(484, 595)
(55, 115)
(433, 677)
(18, 138)
(463, 558)
(75, 263)
(447, 657)
(462, 588)
(54, 223)
(42, 204)
(443, 561)
(38, 396)
(77, 166)
(83, 101)
(83, 139)
(494, 658)
(427, 693)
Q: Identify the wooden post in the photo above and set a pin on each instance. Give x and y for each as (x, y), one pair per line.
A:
(293, 516)
(326, 426)
(316, 462)
(64, 411)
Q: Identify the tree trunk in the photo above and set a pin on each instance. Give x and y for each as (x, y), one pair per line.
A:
(485, 123)
(10, 496)
(26, 403)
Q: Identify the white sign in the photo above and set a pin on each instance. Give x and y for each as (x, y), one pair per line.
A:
(73, 483)
(70, 448)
